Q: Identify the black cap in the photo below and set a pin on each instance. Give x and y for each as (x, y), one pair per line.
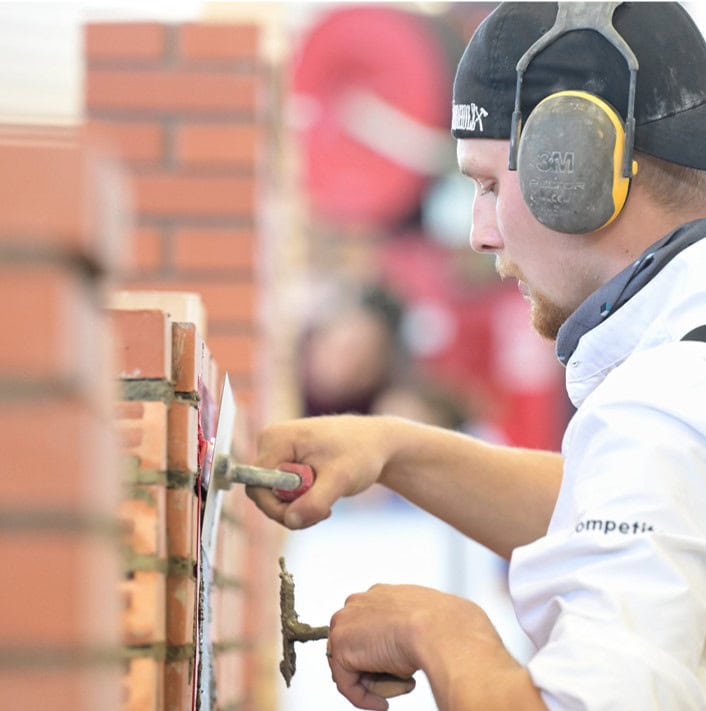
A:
(670, 103)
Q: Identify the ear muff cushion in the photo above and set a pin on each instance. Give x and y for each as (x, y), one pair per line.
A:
(569, 163)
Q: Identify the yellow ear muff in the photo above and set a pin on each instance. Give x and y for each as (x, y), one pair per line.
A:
(569, 162)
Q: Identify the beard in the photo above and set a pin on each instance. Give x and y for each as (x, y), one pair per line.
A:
(546, 315)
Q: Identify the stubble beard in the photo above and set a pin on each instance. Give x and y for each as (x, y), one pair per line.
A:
(546, 316)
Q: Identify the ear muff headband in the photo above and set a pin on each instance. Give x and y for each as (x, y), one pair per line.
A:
(570, 162)
(596, 16)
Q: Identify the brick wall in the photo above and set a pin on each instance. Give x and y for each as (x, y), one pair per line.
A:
(59, 544)
(185, 108)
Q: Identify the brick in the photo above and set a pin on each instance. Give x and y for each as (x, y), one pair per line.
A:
(179, 304)
(138, 143)
(168, 194)
(211, 382)
(143, 619)
(182, 523)
(229, 611)
(229, 670)
(235, 352)
(62, 457)
(181, 606)
(218, 41)
(56, 332)
(231, 549)
(81, 191)
(213, 248)
(183, 440)
(143, 513)
(144, 685)
(178, 684)
(224, 300)
(61, 590)
(147, 253)
(142, 428)
(124, 40)
(166, 91)
(144, 344)
(217, 144)
(71, 689)
(187, 347)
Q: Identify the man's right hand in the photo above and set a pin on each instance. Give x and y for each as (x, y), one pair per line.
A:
(346, 452)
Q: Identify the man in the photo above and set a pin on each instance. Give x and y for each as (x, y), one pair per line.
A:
(607, 541)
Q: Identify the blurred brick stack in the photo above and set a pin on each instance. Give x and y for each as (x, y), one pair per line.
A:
(59, 612)
(183, 107)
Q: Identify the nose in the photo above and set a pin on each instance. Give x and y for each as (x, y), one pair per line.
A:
(485, 235)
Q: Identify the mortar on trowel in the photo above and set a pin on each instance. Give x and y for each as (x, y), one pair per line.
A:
(293, 631)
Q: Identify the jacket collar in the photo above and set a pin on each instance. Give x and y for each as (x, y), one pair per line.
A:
(606, 300)
(643, 304)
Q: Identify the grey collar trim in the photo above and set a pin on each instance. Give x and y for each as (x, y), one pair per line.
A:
(611, 296)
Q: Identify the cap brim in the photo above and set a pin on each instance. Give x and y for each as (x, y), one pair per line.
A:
(679, 138)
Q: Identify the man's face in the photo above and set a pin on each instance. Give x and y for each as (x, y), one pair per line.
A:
(553, 270)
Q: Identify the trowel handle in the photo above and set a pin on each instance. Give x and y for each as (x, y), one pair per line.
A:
(305, 474)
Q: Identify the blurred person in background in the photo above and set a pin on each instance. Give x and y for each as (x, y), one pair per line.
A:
(351, 352)
(607, 540)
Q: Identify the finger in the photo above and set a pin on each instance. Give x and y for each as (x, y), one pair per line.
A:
(387, 685)
(267, 502)
(349, 685)
(315, 504)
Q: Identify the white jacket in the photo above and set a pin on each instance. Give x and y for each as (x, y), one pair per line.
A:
(614, 596)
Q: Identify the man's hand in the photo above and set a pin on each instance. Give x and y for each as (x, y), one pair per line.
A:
(400, 629)
(346, 452)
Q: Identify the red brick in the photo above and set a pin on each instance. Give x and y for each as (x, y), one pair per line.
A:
(183, 437)
(178, 684)
(235, 352)
(188, 195)
(77, 187)
(124, 40)
(147, 253)
(229, 612)
(231, 549)
(170, 90)
(56, 332)
(181, 606)
(217, 144)
(218, 41)
(187, 347)
(62, 457)
(182, 522)
(228, 300)
(196, 248)
(142, 427)
(60, 590)
(229, 670)
(143, 618)
(63, 689)
(144, 685)
(136, 142)
(179, 304)
(143, 513)
(144, 344)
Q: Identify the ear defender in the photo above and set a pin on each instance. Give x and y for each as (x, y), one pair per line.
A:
(574, 155)
(570, 162)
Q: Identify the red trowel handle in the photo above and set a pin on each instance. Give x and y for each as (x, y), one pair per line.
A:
(306, 475)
